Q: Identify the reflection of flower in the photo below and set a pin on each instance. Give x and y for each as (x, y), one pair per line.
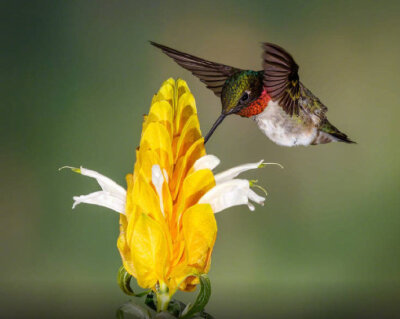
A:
(167, 223)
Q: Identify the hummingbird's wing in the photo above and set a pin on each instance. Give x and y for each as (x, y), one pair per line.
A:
(212, 74)
(281, 79)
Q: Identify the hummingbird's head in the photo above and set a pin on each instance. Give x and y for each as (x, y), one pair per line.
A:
(238, 93)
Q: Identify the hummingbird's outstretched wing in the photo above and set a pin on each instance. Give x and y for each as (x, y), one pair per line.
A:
(212, 74)
(281, 79)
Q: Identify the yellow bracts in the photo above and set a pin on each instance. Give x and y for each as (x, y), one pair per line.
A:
(167, 237)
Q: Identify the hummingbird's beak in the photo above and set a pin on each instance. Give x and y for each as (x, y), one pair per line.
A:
(217, 122)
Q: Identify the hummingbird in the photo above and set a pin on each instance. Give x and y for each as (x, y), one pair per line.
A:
(286, 111)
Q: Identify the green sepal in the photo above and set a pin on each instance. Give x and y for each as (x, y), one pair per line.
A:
(201, 300)
(124, 280)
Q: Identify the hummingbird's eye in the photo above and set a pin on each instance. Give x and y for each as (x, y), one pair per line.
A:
(244, 97)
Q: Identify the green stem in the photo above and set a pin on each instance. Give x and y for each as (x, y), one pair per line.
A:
(163, 298)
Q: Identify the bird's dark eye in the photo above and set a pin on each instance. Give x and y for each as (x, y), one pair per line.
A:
(244, 97)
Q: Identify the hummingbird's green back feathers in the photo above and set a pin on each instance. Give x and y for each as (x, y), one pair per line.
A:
(212, 74)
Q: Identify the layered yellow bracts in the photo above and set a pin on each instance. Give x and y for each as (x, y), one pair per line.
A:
(166, 236)
(167, 223)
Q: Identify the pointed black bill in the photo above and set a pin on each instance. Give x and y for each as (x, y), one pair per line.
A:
(217, 122)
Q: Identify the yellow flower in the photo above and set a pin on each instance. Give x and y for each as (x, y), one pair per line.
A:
(167, 223)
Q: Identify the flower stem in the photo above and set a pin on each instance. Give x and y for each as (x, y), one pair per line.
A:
(163, 297)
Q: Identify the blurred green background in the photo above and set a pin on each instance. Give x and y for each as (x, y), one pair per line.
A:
(76, 78)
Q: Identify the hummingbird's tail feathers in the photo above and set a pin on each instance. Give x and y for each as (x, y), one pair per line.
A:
(212, 74)
(328, 133)
(341, 137)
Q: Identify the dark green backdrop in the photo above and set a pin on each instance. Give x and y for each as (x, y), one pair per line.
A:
(76, 78)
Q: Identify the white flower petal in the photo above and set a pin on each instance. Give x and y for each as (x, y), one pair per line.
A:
(101, 198)
(206, 161)
(235, 171)
(231, 193)
(112, 195)
(251, 206)
(253, 196)
(157, 179)
(106, 184)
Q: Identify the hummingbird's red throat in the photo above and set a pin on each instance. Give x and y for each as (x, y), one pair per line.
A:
(257, 106)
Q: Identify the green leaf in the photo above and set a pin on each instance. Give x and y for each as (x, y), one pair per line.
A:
(124, 280)
(201, 300)
(164, 315)
(131, 310)
(175, 307)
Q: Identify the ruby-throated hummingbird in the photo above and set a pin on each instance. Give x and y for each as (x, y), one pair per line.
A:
(283, 108)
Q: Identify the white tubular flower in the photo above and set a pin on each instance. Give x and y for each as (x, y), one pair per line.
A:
(207, 161)
(112, 195)
(235, 171)
(229, 191)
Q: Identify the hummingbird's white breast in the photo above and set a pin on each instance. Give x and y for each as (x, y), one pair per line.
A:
(282, 128)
